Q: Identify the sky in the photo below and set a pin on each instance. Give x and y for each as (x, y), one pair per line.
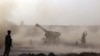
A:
(55, 12)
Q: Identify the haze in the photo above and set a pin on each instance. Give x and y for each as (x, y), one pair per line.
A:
(56, 12)
(51, 12)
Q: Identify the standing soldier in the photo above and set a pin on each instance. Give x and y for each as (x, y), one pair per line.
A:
(8, 43)
(83, 38)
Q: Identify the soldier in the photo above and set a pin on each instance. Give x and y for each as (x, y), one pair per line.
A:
(8, 43)
(83, 38)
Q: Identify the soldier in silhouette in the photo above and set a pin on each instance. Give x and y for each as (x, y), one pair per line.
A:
(8, 43)
(84, 38)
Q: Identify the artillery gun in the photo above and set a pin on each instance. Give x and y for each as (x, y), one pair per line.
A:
(51, 37)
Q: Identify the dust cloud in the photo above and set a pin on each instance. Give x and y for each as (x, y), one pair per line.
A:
(22, 37)
(68, 38)
(5, 11)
